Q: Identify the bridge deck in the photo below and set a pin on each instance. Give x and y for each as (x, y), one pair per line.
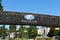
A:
(18, 19)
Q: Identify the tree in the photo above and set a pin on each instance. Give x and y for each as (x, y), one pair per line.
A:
(12, 28)
(58, 32)
(3, 31)
(22, 32)
(1, 7)
(32, 32)
(51, 32)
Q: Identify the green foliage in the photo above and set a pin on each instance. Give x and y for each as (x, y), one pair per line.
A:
(8, 32)
(32, 32)
(12, 28)
(3, 31)
(58, 32)
(51, 32)
(21, 30)
(11, 39)
(1, 7)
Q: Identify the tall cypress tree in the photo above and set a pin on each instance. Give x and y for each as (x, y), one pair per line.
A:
(12, 28)
(32, 32)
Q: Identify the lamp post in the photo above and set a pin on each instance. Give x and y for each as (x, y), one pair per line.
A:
(43, 33)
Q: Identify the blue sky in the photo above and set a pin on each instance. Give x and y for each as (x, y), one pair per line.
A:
(50, 7)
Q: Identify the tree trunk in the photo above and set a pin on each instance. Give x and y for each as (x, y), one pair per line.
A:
(34, 38)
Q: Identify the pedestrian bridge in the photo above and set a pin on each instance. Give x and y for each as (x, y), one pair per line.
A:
(22, 18)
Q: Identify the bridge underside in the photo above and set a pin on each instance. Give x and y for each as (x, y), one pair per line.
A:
(17, 18)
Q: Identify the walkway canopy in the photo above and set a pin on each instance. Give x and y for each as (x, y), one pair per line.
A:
(20, 18)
